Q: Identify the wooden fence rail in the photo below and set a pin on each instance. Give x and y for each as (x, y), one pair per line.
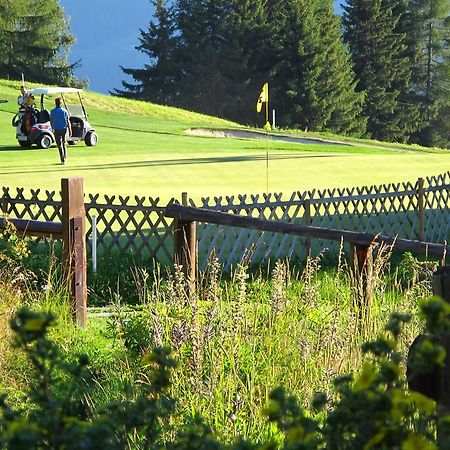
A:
(186, 245)
(34, 227)
(71, 230)
(192, 214)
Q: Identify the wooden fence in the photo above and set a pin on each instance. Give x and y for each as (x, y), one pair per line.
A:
(137, 224)
(71, 229)
(186, 218)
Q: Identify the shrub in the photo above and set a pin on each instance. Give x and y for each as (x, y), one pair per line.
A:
(372, 409)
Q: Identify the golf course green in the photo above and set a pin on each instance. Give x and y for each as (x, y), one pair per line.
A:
(144, 150)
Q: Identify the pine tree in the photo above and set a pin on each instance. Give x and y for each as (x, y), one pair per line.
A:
(203, 56)
(158, 80)
(222, 56)
(428, 23)
(381, 66)
(315, 83)
(198, 59)
(220, 52)
(35, 41)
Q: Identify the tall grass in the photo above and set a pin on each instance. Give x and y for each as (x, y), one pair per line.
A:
(235, 338)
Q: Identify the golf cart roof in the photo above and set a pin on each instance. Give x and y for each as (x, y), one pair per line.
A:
(53, 90)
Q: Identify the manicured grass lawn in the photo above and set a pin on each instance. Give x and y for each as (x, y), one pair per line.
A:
(143, 150)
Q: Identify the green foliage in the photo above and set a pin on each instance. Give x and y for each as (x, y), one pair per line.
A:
(214, 57)
(428, 39)
(59, 418)
(35, 41)
(414, 273)
(13, 246)
(116, 278)
(313, 79)
(371, 408)
(382, 68)
(235, 340)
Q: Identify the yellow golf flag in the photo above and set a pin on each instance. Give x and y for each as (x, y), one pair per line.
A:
(263, 97)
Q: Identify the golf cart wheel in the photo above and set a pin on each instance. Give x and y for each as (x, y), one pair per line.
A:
(91, 139)
(25, 144)
(44, 141)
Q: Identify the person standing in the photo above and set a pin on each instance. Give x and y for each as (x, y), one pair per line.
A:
(59, 119)
(24, 99)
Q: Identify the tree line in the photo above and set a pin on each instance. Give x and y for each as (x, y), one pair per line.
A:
(380, 71)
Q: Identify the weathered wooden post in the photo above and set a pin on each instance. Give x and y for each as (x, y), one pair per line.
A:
(441, 287)
(360, 265)
(421, 209)
(185, 244)
(308, 221)
(74, 244)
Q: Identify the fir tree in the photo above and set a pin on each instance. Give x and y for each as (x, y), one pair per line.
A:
(35, 41)
(220, 53)
(157, 81)
(382, 67)
(428, 23)
(314, 78)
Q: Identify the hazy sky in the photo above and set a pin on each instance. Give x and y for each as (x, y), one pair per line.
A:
(107, 32)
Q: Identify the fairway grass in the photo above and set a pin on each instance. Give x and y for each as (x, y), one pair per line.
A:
(143, 150)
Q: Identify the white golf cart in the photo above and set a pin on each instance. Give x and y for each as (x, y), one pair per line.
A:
(33, 125)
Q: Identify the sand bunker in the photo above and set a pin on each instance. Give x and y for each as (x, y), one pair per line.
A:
(247, 134)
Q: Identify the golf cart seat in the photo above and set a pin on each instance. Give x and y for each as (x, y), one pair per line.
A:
(77, 127)
(44, 116)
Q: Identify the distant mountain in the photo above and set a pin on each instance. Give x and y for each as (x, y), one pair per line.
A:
(107, 32)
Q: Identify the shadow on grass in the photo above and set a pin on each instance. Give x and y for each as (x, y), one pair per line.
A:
(178, 161)
(137, 130)
(14, 148)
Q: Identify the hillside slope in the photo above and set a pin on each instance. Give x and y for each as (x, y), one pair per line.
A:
(144, 149)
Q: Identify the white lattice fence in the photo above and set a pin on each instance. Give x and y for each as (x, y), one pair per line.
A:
(437, 205)
(132, 224)
(390, 209)
(137, 224)
(232, 244)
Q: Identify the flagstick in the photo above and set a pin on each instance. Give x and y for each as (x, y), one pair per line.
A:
(267, 145)
(267, 161)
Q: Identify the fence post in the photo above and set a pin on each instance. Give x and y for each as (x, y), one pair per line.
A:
(436, 382)
(441, 287)
(308, 221)
(360, 265)
(421, 208)
(185, 243)
(74, 244)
